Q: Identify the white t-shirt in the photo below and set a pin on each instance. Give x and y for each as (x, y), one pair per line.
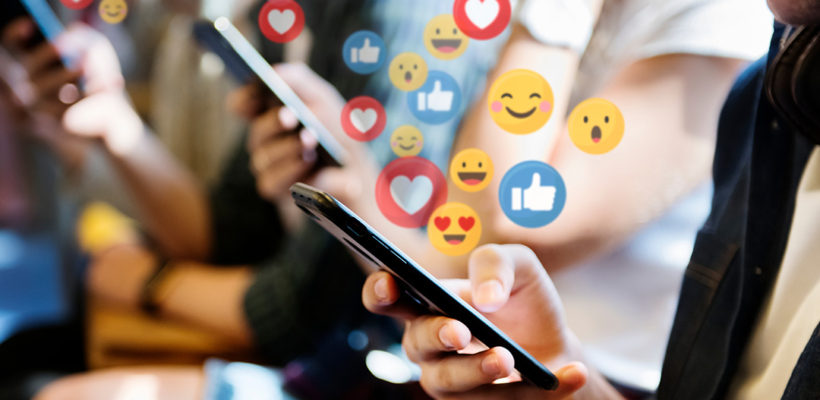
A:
(631, 30)
(792, 310)
(621, 306)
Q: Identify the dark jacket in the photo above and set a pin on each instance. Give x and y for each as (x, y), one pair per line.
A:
(759, 161)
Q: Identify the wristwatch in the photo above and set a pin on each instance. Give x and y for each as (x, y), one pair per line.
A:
(148, 301)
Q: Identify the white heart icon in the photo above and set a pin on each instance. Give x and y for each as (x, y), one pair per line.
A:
(481, 13)
(411, 196)
(363, 120)
(281, 21)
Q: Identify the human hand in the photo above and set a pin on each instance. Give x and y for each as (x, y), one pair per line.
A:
(118, 274)
(279, 158)
(101, 111)
(509, 285)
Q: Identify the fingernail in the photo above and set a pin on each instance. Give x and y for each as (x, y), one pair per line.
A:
(444, 334)
(491, 365)
(287, 118)
(381, 291)
(489, 293)
(309, 155)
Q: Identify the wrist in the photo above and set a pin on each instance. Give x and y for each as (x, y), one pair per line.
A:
(597, 386)
(124, 132)
(149, 295)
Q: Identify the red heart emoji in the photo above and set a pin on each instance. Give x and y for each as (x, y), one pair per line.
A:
(466, 223)
(442, 223)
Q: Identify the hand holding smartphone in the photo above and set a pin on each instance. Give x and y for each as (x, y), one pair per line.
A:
(246, 64)
(415, 282)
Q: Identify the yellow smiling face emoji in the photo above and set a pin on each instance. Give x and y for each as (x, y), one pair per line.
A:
(443, 38)
(408, 71)
(454, 229)
(113, 11)
(471, 170)
(596, 126)
(406, 141)
(521, 101)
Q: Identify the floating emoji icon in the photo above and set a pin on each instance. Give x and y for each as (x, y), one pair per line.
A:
(471, 170)
(113, 11)
(596, 126)
(408, 71)
(406, 141)
(454, 229)
(443, 38)
(521, 101)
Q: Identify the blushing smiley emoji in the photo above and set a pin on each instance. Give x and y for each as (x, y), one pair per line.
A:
(406, 141)
(471, 170)
(443, 39)
(454, 229)
(113, 11)
(521, 101)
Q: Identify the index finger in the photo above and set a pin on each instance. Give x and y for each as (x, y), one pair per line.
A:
(17, 33)
(247, 101)
(496, 270)
(272, 123)
(381, 295)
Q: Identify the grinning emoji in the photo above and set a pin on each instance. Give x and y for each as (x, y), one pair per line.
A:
(443, 38)
(471, 170)
(406, 141)
(520, 101)
(113, 11)
(454, 229)
(408, 71)
(596, 126)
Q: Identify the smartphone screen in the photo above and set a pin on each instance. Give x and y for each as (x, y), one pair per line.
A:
(245, 63)
(417, 285)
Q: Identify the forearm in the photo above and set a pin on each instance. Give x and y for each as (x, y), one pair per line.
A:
(170, 204)
(558, 66)
(208, 297)
(597, 386)
(670, 105)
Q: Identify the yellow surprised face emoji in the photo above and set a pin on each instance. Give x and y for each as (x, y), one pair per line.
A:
(521, 101)
(408, 71)
(596, 126)
(443, 38)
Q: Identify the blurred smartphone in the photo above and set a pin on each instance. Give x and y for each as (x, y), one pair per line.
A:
(416, 283)
(246, 64)
(49, 26)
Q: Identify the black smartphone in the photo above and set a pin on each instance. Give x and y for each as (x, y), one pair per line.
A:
(417, 284)
(245, 63)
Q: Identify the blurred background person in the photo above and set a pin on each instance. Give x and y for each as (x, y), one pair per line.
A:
(61, 150)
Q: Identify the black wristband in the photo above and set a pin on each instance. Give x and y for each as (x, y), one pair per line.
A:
(148, 294)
